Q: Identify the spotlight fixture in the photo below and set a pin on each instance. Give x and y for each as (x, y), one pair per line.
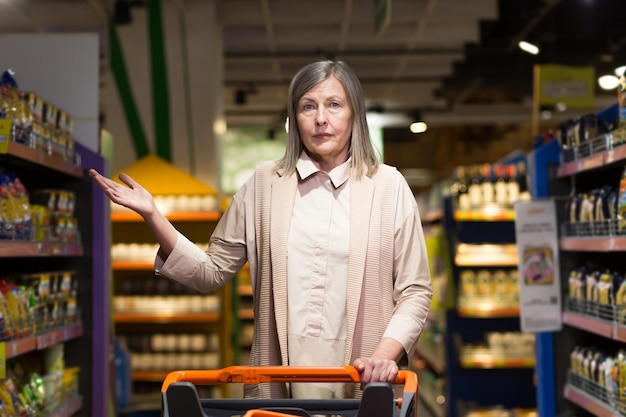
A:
(608, 82)
(418, 127)
(528, 47)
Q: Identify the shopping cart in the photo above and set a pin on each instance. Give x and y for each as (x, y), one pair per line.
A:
(180, 397)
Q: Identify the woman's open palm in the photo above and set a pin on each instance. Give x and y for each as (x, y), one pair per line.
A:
(132, 195)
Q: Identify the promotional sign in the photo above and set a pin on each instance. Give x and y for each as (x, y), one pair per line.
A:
(572, 86)
(539, 280)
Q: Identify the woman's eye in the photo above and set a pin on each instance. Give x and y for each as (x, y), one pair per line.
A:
(307, 107)
(334, 105)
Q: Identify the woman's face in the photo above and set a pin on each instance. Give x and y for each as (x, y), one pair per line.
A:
(325, 123)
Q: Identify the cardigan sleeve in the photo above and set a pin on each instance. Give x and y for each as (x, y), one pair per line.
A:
(412, 291)
(208, 270)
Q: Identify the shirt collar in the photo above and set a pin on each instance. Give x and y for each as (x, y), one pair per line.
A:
(338, 175)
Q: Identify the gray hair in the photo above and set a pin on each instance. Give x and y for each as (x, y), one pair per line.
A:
(365, 158)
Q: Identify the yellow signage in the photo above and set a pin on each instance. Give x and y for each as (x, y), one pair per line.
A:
(572, 86)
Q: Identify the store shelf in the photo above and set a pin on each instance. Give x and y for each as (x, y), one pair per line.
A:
(581, 165)
(60, 335)
(594, 244)
(488, 361)
(132, 265)
(592, 162)
(609, 329)
(149, 376)
(486, 255)
(487, 310)
(31, 155)
(166, 317)
(246, 314)
(590, 324)
(194, 216)
(19, 347)
(14, 249)
(486, 214)
(588, 402)
(245, 290)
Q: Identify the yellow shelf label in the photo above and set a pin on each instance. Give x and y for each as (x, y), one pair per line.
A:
(5, 135)
(3, 361)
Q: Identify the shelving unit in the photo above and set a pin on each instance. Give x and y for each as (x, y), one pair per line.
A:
(585, 322)
(86, 341)
(480, 240)
(155, 315)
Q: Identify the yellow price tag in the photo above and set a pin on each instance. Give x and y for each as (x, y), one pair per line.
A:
(5, 134)
(3, 361)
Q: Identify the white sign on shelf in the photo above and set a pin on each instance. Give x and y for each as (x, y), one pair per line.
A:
(539, 278)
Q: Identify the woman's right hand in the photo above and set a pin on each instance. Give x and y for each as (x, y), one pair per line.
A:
(132, 196)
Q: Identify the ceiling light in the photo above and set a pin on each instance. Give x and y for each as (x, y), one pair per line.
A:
(528, 47)
(418, 127)
(608, 82)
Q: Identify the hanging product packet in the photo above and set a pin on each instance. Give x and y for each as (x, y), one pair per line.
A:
(17, 109)
(621, 100)
(621, 204)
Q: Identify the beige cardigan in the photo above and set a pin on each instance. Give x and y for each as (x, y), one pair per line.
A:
(370, 268)
(255, 228)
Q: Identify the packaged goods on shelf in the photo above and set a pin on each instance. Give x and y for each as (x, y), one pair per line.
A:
(489, 185)
(55, 217)
(36, 122)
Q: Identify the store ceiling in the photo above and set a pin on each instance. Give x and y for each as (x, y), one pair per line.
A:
(453, 61)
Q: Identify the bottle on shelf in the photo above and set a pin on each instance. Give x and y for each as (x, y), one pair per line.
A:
(513, 189)
(487, 184)
(500, 186)
(524, 192)
(460, 188)
(475, 186)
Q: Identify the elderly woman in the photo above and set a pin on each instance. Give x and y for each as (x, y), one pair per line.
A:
(333, 238)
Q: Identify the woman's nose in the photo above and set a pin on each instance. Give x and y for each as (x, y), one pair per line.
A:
(320, 117)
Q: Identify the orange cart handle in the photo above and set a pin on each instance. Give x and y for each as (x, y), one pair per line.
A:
(257, 374)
